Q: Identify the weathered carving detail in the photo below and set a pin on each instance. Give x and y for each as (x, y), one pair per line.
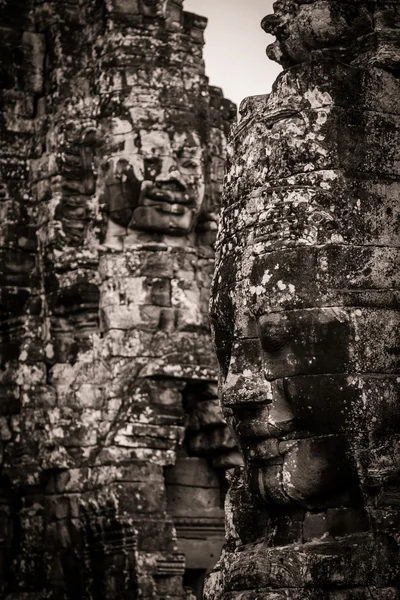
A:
(305, 312)
(153, 182)
(111, 176)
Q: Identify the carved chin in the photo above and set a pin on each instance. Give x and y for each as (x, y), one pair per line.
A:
(312, 473)
(266, 483)
(173, 221)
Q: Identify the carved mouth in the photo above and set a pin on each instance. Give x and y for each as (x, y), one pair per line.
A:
(174, 209)
(167, 196)
(270, 450)
(265, 429)
(266, 441)
(262, 451)
(169, 202)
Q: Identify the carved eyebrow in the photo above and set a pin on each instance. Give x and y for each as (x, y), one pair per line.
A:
(223, 340)
(189, 161)
(189, 148)
(150, 160)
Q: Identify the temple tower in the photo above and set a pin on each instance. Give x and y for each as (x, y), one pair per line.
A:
(112, 156)
(306, 312)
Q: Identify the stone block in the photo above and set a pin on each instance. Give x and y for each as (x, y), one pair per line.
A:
(143, 498)
(208, 443)
(201, 553)
(206, 414)
(136, 316)
(192, 472)
(187, 501)
(154, 534)
(33, 47)
(123, 7)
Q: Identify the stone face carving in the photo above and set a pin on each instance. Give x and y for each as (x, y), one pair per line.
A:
(305, 313)
(295, 444)
(154, 181)
(111, 172)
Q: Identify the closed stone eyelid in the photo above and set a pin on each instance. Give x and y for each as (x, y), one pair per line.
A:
(272, 341)
(275, 345)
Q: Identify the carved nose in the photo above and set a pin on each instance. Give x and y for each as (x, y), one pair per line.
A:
(259, 413)
(173, 176)
(239, 390)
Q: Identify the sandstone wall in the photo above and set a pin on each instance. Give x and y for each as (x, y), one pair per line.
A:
(112, 152)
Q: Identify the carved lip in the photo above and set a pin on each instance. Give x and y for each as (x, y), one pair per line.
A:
(262, 430)
(266, 441)
(263, 450)
(160, 194)
(271, 449)
(165, 207)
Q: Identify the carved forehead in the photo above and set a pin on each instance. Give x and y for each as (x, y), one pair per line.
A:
(163, 142)
(188, 141)
(122, 137)
(230, 313)
(307, 236)
(286, 182)
(308, 276)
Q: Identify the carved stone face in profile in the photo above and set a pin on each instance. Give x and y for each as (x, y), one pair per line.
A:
(303, 314)
(285, 389)
(154, 180)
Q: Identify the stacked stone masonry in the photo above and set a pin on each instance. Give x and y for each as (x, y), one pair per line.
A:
(305, 306)
(113, 446)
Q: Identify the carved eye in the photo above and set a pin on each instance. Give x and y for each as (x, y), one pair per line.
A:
(189, 164)
(122, 166)
(274, 331)
(152, 168)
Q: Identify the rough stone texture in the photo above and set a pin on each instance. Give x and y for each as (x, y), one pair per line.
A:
(306, 313)
(111, 155)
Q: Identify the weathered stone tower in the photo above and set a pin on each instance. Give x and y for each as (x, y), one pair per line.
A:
(306, 313)
(111, 158)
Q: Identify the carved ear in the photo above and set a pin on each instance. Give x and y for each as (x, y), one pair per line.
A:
(88, 151)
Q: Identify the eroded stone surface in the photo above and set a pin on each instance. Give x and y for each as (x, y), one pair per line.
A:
(111, 162)
(305, 311)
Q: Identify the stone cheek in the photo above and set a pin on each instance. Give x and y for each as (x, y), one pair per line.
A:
(305, 314)
(107, 368)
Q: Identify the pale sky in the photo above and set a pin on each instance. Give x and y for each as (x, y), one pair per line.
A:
(235, 46)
